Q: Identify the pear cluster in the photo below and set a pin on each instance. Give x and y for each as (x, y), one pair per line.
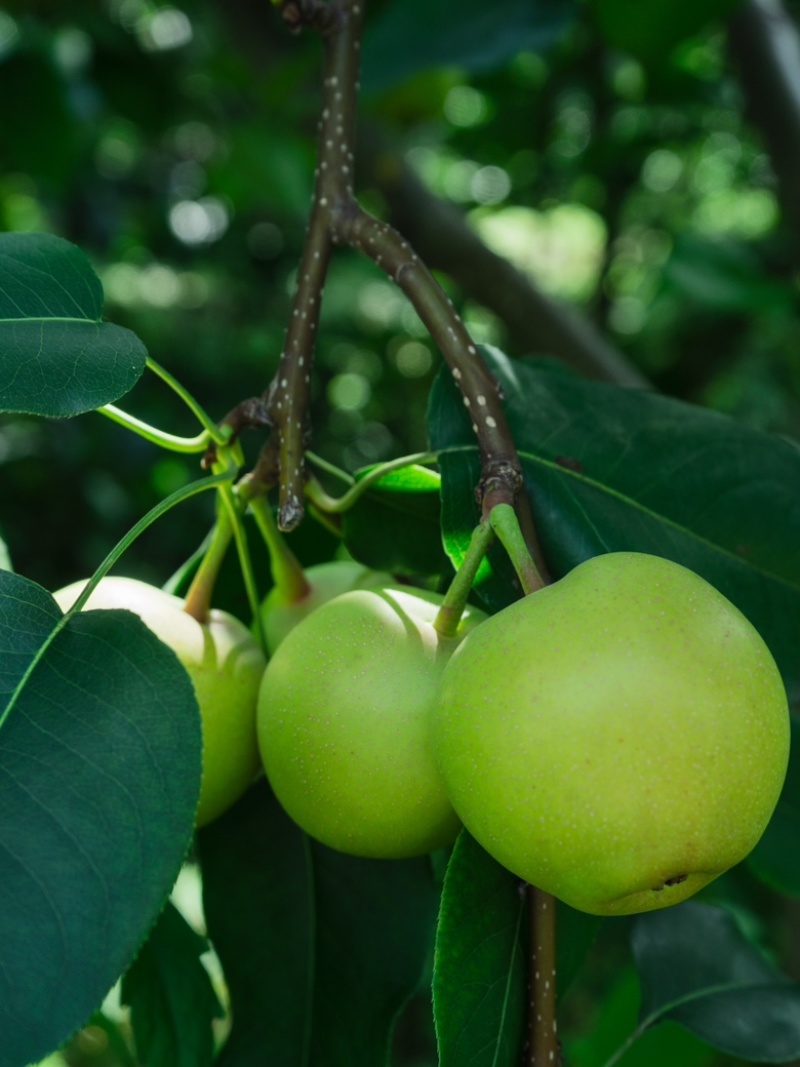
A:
(619, 738)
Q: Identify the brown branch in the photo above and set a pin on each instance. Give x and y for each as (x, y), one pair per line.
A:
(501, 473)
(765, 45)
(544, 1049)
(441, 236)
(337, 217)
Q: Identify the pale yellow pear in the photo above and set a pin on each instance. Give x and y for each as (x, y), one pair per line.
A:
(225, 666)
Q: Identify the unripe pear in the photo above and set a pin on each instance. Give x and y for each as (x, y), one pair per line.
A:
(280, 613)
(344, 723)
(225, 665)
(619, 738)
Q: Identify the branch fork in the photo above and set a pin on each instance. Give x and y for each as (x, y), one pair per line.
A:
(338, 219)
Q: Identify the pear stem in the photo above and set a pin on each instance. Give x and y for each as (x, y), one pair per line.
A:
(197, 602)
(504, 522)
(287, 573)
(455, 599)
(545, 1050)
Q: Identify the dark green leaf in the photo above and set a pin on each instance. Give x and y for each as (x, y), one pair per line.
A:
(259, 910)
(170, 995)
(320, 950)
(724, 275)
(651, 28)
(479, 974)
(666, 1045)
(395, 525)
(57, 356)
(469, 34)
(696, 967)
(611, 469)
(776, 858)
(100, 758)
(480, 965)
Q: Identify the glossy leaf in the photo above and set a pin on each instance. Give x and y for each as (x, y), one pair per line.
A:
(100, 755)
(469, 34)
(610, 469)
(305, 934)
(481, 959)
(57, 356)
(170, 995)
(696, 967)
(479, 974)
(395, 525)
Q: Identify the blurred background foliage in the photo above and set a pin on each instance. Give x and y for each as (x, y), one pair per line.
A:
(623, 165)
(175, 145)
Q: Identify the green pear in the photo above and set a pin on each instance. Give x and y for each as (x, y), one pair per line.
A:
(280, 613)
(619, 738)
(343, 723)
(225, 665)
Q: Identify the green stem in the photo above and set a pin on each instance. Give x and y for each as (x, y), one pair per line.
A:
(505, 524)
(336, 505)
(455, 599)
(233, 508)
(198, 597)
(153, 434)
(287, 573)
(113, 556)
(329, 468)
(219, 436)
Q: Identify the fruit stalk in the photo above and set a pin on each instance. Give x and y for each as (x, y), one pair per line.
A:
(505, 524)
(198, 597)
(455, 600)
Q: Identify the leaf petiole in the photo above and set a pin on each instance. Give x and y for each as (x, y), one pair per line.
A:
(455, 599)
(153, 434)
(336, 505)
(218, 435)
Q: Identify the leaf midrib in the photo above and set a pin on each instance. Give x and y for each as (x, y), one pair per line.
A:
(576, 476)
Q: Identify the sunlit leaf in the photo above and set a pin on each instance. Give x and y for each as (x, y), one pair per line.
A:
(395, 525)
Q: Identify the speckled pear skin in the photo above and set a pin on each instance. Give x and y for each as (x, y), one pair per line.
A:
(225, 665)
(344, 723)
(619, 738)
(326, 581)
